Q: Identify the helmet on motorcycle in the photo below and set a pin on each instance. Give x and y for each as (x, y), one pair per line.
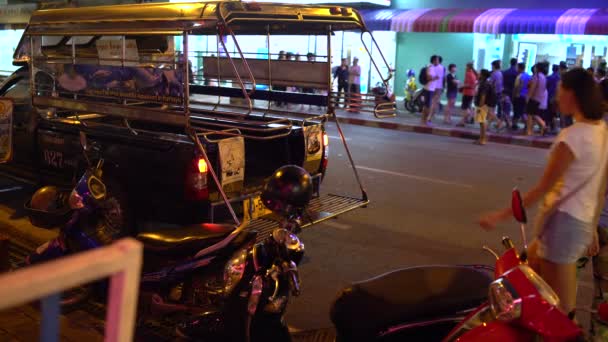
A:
(48, 199)
(288, 190)
(411, 73)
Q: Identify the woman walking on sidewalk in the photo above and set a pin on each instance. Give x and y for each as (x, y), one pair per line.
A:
(468, 92)
(484, 100)
(537, 99)
(572, 189)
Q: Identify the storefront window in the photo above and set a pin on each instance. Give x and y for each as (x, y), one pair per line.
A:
(486, 49)
(10, 39)
(577, 50)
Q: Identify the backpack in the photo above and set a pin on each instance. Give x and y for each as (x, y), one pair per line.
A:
(423, 77)
(491, 96)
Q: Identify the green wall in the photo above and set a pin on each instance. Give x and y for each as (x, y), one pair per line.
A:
(415, 49)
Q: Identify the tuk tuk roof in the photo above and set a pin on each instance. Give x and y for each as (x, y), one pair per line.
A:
(197, 18)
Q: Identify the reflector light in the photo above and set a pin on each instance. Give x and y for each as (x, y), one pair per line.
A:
(202, 166)
(335, 10)
(325, 139)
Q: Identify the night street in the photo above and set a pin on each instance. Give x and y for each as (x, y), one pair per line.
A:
(426, 192)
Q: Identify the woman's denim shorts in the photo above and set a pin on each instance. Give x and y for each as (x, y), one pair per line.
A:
(564, 239)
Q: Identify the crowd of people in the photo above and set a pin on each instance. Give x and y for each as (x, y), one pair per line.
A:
(518, 94)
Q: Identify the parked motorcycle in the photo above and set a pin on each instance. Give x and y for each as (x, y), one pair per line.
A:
(213, 281)
(452, 303)
(415, 102)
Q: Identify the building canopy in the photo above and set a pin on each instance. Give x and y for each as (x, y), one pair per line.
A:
(495, 21)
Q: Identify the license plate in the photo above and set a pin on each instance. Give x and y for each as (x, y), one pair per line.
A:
(253, 208)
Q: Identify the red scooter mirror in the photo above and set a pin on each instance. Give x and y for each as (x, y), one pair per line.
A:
(517, 205)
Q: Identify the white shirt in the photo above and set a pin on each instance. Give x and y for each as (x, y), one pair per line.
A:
(544, 100)
(432, 71)
(354, 73)
(586, 141)
(440, 70)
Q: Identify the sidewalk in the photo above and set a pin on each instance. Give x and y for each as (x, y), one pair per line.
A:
(408, 122)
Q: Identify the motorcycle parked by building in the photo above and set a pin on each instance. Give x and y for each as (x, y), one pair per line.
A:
(212, 281)
(453, 303)
(415, 102)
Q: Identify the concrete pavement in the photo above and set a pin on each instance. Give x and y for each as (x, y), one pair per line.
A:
(410, 122)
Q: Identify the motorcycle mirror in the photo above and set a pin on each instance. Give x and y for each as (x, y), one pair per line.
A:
(83, 141)
(517, 205)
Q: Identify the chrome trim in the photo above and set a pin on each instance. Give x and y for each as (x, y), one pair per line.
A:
(405, 326)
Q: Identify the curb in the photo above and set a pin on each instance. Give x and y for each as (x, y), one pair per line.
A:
(449, 132)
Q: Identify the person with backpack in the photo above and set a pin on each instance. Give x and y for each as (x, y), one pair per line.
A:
(428, 76)
(484, 100)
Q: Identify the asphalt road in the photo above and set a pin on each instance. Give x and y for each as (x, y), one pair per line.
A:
(426, 192)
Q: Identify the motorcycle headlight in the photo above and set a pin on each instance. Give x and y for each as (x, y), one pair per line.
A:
(505, 303)
(234, 270)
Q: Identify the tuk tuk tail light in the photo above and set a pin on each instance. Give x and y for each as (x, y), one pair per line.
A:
(196, 180)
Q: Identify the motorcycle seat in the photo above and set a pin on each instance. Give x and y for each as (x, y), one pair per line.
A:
(364, 309)
(183, 240)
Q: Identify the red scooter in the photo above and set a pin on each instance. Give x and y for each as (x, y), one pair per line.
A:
(435, 303)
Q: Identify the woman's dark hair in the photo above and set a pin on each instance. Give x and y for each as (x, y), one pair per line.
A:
(586, 91)
(484, 74)
(433, 57)
(451, 66)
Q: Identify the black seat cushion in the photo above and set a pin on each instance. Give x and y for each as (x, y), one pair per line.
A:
(183, 240)
(366, 308)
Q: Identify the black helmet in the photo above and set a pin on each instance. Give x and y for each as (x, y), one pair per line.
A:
(288, 190)
(48, 199)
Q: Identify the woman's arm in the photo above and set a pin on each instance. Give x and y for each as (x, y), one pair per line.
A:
(560, 160)
(531, 88)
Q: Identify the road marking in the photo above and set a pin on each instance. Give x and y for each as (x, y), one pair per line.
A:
(337, 225)
(15, 188)
(420, 178)
(337, 138)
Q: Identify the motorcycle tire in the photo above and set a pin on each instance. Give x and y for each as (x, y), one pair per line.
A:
(410, 106)
(117, 217)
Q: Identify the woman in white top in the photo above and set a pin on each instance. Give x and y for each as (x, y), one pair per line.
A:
(572, 189)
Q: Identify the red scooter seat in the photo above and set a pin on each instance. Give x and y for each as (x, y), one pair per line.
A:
(365, 309)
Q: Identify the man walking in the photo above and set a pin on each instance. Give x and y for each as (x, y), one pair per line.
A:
(354, 78)
(508, 76)
(439, 80)
(341, 74)
(496, 82)
(429, 76)
(520, 92)
(552, 82)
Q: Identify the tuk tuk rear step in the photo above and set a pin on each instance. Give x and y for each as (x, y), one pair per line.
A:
(320, 209)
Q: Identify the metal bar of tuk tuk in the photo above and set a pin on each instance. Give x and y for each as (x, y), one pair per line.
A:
(186, 72)
(269, 66)
(237, 74)
(195, 137)
(225, 198)
(219, 74)
(332, 112)
(378, 113)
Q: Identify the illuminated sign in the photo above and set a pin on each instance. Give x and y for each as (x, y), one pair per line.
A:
(315, 2)
(330, 2)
